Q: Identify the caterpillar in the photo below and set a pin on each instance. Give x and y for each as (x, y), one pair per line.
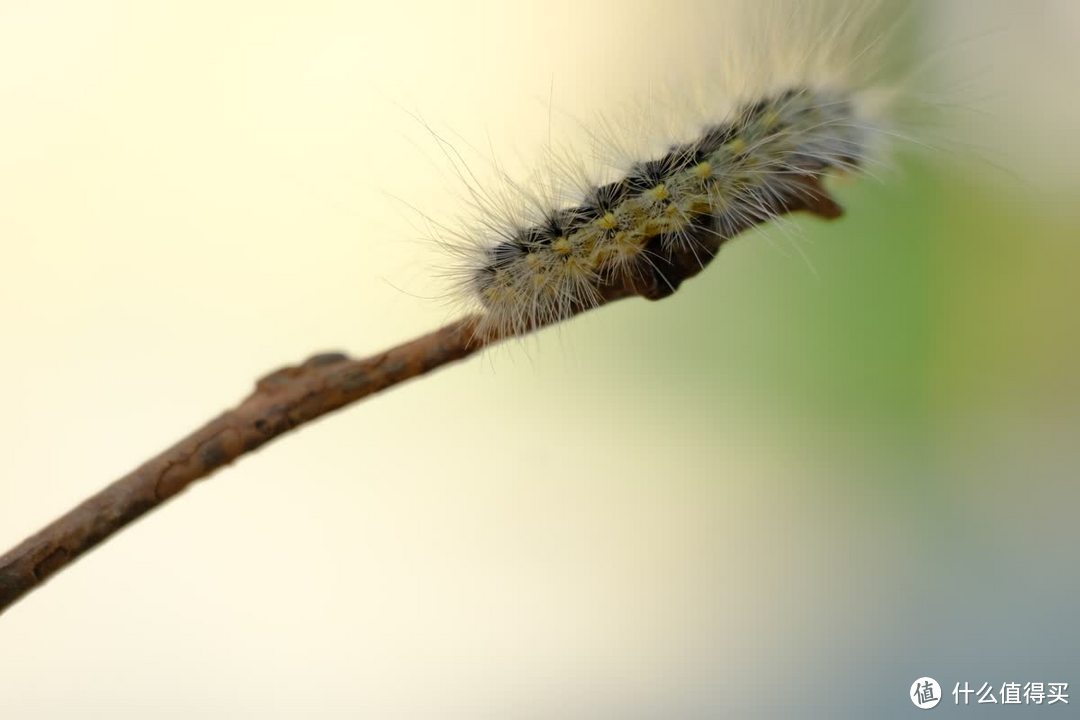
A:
(804, 109)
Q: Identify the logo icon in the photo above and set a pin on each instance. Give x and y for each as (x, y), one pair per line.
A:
(925, 693)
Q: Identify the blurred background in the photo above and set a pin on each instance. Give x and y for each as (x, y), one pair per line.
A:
(842, 458)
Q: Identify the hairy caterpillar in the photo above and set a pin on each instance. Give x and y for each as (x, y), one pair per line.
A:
(798, 102)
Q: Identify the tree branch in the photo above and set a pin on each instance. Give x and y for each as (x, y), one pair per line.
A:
(290, 397)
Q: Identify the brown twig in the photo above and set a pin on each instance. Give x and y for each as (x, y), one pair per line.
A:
(293, 396)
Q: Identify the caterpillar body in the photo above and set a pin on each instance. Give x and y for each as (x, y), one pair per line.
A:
(807, 118)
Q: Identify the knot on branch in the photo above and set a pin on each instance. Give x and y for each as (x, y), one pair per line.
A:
(284, 377)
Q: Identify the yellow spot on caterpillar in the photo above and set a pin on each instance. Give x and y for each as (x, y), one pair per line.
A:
(576, 269)
(561, 246)
(608, 222)
(626, 249)
(703, 170)
(736, 146)
(698, 204)
(659, 193)
(651, 227)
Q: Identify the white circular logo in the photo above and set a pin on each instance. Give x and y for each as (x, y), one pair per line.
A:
(925, 693)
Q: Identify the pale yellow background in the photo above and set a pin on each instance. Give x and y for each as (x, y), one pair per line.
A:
(743, 499)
